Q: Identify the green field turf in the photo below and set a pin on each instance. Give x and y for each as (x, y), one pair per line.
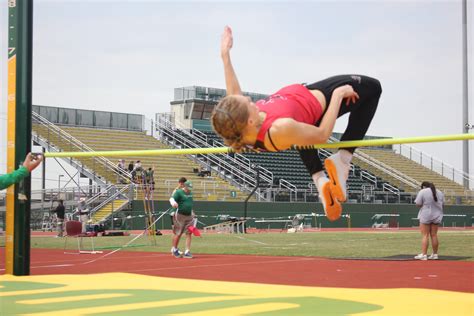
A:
(372, 244)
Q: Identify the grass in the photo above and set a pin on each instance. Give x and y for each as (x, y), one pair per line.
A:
(321, 244)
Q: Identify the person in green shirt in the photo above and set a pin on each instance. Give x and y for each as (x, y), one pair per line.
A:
(183, 218)
(31, 162)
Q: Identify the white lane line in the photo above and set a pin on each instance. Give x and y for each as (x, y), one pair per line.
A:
(255, 241)
(224, 264)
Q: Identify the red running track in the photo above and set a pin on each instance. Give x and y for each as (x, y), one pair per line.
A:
(304, 271)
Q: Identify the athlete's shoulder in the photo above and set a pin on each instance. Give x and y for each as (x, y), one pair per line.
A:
(281, 124)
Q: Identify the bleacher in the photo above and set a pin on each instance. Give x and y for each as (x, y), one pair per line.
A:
(413, 169)
(168, 168)
(418, 172)
(368, 182)
(288, 166)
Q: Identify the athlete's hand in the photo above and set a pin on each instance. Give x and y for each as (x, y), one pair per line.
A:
(227, 40)
(32, 161)
(348, 93)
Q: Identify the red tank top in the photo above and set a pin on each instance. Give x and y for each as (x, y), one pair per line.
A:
(294, 101)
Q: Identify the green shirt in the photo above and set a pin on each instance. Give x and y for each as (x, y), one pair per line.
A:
(184, 200)
(149, 174)
(11, 178)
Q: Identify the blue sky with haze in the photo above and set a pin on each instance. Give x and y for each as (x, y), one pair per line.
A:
(127, 56)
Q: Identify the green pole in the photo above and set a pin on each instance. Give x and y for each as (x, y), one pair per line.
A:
(20, 35)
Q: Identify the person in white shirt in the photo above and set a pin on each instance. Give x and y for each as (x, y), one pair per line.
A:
(430, 201)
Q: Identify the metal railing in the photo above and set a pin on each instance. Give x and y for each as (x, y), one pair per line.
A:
(292, 189)
(208, 186)
(43, 199)
(111, 195)
(72, 193)
(73, 144)
(368, 195)
(412, 183)
(390, 188)
(265, 174)
(387, 169)
(369, 177)
(203, 141)
(227, 167)
(90, 118)
(436, 165)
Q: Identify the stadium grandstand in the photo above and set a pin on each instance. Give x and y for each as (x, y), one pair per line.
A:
(101, 210)
(385, 174)
(382, 179)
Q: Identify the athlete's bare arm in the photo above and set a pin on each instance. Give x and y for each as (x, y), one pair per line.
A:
(231, 81)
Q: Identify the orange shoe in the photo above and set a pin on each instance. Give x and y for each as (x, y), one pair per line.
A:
(332, 207)
(338, 173)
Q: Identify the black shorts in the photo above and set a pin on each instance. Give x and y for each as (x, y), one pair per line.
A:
(365, 86)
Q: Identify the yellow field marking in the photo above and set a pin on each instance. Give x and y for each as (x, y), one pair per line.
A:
(135, 306)
(244, 310)
(399, 301)
(72, 298)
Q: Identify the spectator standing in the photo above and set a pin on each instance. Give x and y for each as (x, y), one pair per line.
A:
(183, 218)
(60, 210)
(430, 201)
(120, 171)
(83, 213)
(130, 166)
(130, 169)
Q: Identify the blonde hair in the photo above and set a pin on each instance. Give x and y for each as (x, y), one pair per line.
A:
(229, 119)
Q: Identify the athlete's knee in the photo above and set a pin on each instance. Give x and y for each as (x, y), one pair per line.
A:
(375, 86)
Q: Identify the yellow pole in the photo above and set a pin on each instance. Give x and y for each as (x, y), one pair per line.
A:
(10, 210)
(225, 150)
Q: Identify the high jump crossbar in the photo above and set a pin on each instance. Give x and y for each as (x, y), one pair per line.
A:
(227, 150)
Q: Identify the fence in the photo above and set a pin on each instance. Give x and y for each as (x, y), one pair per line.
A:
(88, 118)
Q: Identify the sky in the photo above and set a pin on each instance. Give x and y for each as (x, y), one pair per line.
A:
(127, 56)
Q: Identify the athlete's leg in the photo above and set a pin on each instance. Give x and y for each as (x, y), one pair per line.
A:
(360, 117)
(331, 206)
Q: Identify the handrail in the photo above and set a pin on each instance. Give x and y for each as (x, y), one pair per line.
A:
(434, 164)
(289, 186)
(98, 195)
(82, 188)
(383, 167)
(124, 174)
(390, 188)
(224, 163)
(265, 174)
(286, 184)
(110, 199)
(168, 183)
(214, 184)
(397, 174)
(197, 133)
(368, 176)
